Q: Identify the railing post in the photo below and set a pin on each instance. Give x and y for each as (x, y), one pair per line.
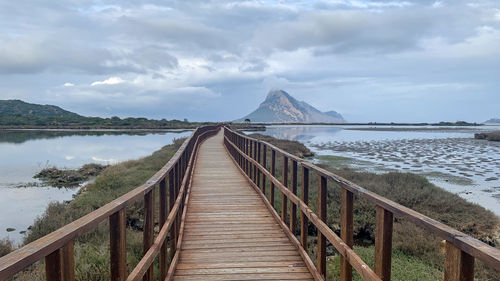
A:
(304, 222)
(163, 213)
(264, 164)
(458, 265)
(293, 207)
(273, 172)
(68, 262)
(148, 233)
(346, 232)
(255, 166)
(284, 199)
(383, 243)
(322, 216)
(53, 270)
(250, 153)
(258, 161)
(171, 202)
(117, 245)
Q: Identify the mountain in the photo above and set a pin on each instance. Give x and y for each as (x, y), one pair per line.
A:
(493, 121)
(279, 106)
(24, 109)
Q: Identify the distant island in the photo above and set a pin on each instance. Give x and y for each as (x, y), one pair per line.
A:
(23, 115)
(493, 121)
(280, 107)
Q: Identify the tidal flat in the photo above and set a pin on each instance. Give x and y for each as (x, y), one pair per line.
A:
(449, 157)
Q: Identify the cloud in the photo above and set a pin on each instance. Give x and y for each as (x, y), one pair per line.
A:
(109, 81)
(216, 60)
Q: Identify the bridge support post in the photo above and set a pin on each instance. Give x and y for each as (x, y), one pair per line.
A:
(284, 199)
(259, 149)
(346, 232)
(383, 243)
(264, 164)
(293, 207)
(171, 197)
(304, 222)
(163, 262)
(458, 265)
(273, 173)
(148, 233)
(117, 245)
(322, 216)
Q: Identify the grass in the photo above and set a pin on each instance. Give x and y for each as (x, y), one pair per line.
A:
(69, 178)
(92, 248)
(417, 254)
(5, 247)
(404, 267)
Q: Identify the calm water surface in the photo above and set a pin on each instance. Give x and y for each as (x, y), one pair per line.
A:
(449, 157)
(24, 153)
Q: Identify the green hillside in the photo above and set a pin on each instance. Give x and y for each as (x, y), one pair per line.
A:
(20, 108)
(21, 115)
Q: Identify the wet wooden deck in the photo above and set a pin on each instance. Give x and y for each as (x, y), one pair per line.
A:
(229, 233)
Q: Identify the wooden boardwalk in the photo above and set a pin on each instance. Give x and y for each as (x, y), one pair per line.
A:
(229, 233)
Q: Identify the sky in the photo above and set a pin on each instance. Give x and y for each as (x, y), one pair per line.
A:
(384, 61)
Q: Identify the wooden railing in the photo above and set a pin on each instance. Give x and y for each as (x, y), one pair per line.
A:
(57, 247)
(250, 155)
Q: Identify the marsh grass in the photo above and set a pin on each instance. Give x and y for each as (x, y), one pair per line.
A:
(417, 254)
(92, 248)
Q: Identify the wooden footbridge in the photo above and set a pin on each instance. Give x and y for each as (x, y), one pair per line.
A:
(217, 220)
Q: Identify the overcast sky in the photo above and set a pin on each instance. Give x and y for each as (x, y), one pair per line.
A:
(407, 61)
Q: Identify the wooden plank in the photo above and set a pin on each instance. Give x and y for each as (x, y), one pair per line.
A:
(184, 266)
(227, 223)
(244, 270)
(458, 265)
(248, 276)
(117, 242)
(383, 243)
(346, 231)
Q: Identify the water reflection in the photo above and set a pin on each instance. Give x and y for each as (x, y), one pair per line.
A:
(24, 153)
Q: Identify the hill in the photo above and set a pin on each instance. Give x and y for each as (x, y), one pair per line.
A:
(493, 121)
(279, 106)
(24, 109)
(21, 115)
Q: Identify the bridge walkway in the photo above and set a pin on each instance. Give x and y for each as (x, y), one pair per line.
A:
(229, 233)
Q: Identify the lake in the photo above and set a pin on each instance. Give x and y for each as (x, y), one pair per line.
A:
(23, 153)
(449, 157)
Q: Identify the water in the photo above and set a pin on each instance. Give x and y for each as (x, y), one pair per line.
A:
(449, 157)
(25, 153)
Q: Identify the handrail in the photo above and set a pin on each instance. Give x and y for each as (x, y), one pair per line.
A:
(461, 249)
(57, 247)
